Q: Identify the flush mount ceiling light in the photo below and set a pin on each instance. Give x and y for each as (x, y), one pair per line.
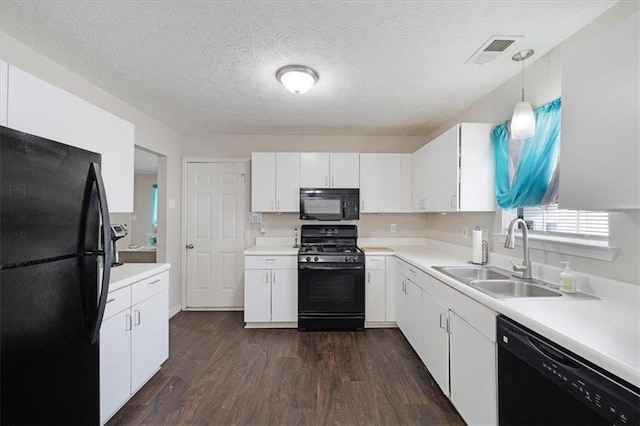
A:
(297, 78)
(523, 122)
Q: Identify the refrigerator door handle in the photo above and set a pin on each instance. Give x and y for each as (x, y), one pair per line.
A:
(95, 174)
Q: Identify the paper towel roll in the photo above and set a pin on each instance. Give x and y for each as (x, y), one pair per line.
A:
(476, 246)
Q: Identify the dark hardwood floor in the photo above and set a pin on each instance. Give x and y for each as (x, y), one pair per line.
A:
(219, 373)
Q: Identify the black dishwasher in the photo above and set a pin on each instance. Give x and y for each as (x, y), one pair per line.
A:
(541, 383)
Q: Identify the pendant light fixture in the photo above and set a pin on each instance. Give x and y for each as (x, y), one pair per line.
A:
(523, 122)
(297, 78)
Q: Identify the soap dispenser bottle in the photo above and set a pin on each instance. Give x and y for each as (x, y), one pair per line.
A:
(567, 280)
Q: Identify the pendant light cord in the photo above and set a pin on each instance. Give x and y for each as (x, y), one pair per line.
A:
(522, 80)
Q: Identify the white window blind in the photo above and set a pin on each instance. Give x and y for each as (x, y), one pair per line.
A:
(552, 221)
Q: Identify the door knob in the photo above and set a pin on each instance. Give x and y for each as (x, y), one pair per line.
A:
(189, 246)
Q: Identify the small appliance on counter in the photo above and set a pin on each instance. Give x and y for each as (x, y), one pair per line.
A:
(117, 232)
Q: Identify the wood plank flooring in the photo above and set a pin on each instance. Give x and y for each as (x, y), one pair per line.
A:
(219, 373)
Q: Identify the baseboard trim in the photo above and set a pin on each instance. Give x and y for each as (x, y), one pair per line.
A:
(223, 309)
(381, 324)
(271, 325)
(174, 311)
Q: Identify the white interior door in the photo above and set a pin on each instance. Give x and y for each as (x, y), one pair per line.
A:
(216, 213)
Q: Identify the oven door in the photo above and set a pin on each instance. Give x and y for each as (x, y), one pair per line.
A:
(331, 296)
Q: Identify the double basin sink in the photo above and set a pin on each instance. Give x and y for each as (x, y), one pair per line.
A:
(501, 284)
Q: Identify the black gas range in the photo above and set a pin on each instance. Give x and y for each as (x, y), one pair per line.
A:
(331, 278)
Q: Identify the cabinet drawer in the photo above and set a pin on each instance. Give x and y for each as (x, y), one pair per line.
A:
(148, 287)
(375, 262)
(271, 262)
(117, 301)
(409, 271)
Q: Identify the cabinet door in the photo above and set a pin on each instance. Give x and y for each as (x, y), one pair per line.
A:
(257, 295)
(375, 295)
(401, 302)
(441, 168)
(149, 338)
(414, 315)
(39, 108)
(435, 340)
(419, 175)
(314, 170)
(345, 170)
(380, 183)
(284, 295)
(406, 183)
(263, 181)
(115, 363)
(477, 168)
(600, 102)
(288, 182)
(4, 86)
(473, 373)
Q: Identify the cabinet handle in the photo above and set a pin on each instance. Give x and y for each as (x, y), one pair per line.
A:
(137, 317)
(128, 325)
(326, 181)
(368, 277)
(272, 205)
(278, 205)
(273, 277)
(449, 325)
(332, 182)
(443, 320)
(111, 300)
(266, 278)
(152, 283)
(454, 202)
(271, 260)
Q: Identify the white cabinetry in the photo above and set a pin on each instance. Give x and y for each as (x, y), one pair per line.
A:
(456, 171)
(4, 86)
(271, 289)
(599, 151)
(329, 170)
(385, 183)
(37, 107)
(134, 340)
(409, 303)
(375, 289)
(275, 181)
(459, 350)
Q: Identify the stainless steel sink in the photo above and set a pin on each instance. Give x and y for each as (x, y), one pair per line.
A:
(466, 274)
(501, 284)
(512, 288)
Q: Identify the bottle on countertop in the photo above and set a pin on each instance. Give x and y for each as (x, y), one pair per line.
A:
(567, 281)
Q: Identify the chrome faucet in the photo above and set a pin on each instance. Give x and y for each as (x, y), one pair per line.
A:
(510, 243)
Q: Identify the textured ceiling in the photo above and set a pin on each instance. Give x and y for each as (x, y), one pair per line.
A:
(386, 67)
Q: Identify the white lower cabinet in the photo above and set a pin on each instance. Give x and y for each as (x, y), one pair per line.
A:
(271, 289)
(134, 340)
(473, 373)
(375, 289)
(409, 303)
(435, 340)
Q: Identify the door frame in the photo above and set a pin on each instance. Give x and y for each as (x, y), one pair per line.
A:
(185, 199)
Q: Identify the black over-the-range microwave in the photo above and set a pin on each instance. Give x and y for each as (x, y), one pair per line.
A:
(329, 203)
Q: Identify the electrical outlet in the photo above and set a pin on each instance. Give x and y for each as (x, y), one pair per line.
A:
(465, 232)
(392, 228)
(263, 227)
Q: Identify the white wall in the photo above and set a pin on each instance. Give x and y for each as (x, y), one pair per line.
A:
(149, 134)
(543, 84)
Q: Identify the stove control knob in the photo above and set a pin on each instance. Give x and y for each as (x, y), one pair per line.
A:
(315, 259)
(308, 259)
(346, 258)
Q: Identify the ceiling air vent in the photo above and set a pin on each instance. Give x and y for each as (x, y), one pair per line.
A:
(492, 49)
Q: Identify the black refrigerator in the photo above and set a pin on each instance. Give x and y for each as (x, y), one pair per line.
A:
(54, 241)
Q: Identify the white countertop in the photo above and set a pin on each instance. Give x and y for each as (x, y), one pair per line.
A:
(128, 273)
(605, 332)
(266, 250)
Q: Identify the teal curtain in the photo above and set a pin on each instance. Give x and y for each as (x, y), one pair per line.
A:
(531, 173)
(154, 204)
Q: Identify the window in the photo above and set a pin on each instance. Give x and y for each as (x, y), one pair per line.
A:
(569, 223)
(154, 205)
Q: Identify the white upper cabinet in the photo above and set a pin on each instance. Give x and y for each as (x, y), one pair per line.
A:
(456, 171)
(600, 148)
(275, 182)
(385, 183)
(4, 85)
(37, 107)
(325, 170)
